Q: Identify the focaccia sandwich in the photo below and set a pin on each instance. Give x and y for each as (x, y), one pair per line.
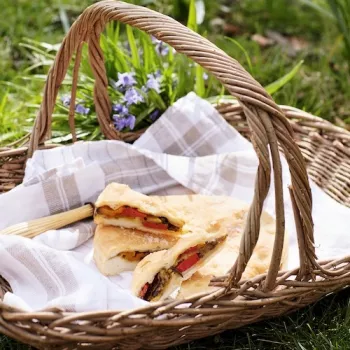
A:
(221, 263)
(160, 274)
(117, 249)
(119, 205)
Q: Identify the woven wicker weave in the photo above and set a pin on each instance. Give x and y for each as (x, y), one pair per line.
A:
(324, 148)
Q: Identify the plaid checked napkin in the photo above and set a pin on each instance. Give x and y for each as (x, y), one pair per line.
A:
(190, 149)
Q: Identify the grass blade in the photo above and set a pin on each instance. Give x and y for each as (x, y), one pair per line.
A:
(341, 14)
(3, 101)
(271, 88)
(199, 86)
(318, 8)
(244, 51)
(147, 56)
(279, 83)
(192, 16)
(133, 48)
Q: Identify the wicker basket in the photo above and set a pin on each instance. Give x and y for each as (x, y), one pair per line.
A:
(323, 147)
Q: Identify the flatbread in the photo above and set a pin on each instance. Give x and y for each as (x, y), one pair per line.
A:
(110, 241)
(152, 264)
(116, 195)
(208, 211)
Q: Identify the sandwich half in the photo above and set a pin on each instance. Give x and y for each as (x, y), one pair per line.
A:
(119, 205)
(222, 263)
(117, 249)
(159, 274)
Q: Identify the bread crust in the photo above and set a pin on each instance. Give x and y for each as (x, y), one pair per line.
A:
(221, 263)
(211, 214)
(109, 241)
(116, 195)
(147, 268)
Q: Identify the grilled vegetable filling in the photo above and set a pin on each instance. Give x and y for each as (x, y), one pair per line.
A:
(157, 223)
(184, 262)
(133, 256)
(192, 255)
(161, 280)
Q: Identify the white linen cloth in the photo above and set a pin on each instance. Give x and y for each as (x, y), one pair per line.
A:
(190, 149)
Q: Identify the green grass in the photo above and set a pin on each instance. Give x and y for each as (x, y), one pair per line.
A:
(321, 87)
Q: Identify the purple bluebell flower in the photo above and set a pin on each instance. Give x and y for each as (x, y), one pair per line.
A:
(130, 121)
(81, 109)
(161, 48)
(155, 115)
(126, 80)
(158, 73)
(119, 122)
(153, 83)
(205, 76)
(132, 96)
(120, 109)
(65, 100)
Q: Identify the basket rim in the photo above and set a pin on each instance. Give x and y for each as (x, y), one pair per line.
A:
(285, 273)
(287, 289)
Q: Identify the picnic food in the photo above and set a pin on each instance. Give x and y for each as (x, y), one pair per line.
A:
(119, 205)
(118, 249)
(161, 273)
(220, 264)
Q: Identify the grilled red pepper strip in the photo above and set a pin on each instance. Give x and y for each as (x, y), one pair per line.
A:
(187, 263)
(190, 250)
(155, 225)
(144, 290)
(131, 212)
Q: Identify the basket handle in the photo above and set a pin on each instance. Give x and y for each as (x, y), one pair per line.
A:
(268, 125)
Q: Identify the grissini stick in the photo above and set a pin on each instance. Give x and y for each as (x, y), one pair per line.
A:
(35, 227)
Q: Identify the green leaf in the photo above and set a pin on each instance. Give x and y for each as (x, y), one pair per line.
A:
(95, 134)
(12, 135)
(3, 101)
(192, 16)
(199, 86)
(157, 100)
(132, 43)
(278, 84)
(142, 115)
(319, 8)
(244, 51)
(33, 48)
(115, 37)
(221, 99)
(150, 62)
(340, 11)
(47, 46)
(120, 62)
(271, 88)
